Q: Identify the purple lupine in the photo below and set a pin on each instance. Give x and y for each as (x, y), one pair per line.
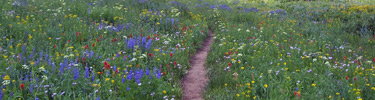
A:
(148, 44)
(138, 40)
(31, 88)
(76, 73)
(172, 20)
(23, 49)
(61, 68)
(93, 76)
(53, 66)
(1, 95)
(130, 74)
(166, 21)
(46, 57)
(87, 73)
(114, 68)
(128, 88)
(137, 76)
(123, 80)
(144, 41)
(131, 43)
(157, 72)
(40, 55)
(147, 71)
(24, 60)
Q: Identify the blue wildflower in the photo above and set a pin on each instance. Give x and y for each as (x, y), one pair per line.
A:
(87, 74)
(76, 73)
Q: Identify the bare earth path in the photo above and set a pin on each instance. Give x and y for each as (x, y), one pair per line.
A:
(196, 80)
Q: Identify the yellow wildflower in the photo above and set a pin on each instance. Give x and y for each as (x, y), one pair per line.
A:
(164, 92)
(6, 77)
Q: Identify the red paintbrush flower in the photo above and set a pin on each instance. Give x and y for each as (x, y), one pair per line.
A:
(171, 54)
(93, 44)
(107, 67)
(347, 78)
(83, 59)
(22, 86)
(299, 95)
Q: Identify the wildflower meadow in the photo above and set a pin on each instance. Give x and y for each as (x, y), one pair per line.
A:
(143, 49)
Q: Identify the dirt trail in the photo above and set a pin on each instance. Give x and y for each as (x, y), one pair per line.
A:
(196, 80)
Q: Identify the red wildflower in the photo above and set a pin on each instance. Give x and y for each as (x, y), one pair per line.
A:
(299, 95)
(97, 40)
(359, 63)
(107, 66)
(295, 92)
(83, 59)
(175, 63)
(22, 86)
(149, 54)
(171, 54)
(230, 64)
(93, 44)
(54, 46)
(105, 63)
(344, 57)
(373, 59)
(163, 73)
(68, 41)
(101, 73)
(347, 78)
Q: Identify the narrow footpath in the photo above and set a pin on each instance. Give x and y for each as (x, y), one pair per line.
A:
(196, 80)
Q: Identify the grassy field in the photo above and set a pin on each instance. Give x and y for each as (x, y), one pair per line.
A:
(140, 49)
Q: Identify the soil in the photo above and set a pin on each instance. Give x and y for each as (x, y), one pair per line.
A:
(196, 80)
